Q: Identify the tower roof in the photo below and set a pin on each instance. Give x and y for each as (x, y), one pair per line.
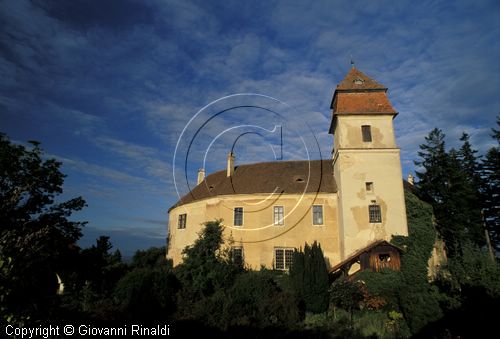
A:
(358, 94)
(357, 80)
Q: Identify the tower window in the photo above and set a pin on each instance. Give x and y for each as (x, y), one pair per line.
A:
(238, 216)
(182, 221)
(279, 215)
(375, 213)
(283, 258)
(317, 215)
(366, 131)
(369, 186)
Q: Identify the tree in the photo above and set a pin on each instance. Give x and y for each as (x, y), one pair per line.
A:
(100, 267)
(469, 162)
(152, 257)
(477, 200)
(147, 294)
(448, 184)
(255, 300)
(432, 183)
(490, 173)
(463, 205)
(309, 277)
(35, 236)
(207, 269)
(206, 266)
(297, 273)
(346, 295)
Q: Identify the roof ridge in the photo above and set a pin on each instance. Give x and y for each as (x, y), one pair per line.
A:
(267, 162)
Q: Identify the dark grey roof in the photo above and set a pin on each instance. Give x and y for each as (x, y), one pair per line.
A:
(285, 177)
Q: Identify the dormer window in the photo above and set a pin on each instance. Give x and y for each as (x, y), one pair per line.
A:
(298, 178)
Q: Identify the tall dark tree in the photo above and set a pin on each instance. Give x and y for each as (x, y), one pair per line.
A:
(460, 215)
(100, 267)
(431, 182)
(490, 173)
(297, 273)
(35, 235)
(479, 187)
(309, 277)
(449, 186)
(469, 162)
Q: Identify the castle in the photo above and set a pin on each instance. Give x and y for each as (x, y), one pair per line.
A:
(348, 203)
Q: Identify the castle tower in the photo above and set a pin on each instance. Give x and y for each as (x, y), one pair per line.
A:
(366, 164)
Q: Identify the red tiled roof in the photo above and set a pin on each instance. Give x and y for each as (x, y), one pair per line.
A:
(360, 103)
(285, 177)
(359, 94)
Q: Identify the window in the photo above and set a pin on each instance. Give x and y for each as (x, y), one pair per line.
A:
(317, 215)
(366, 130)
(279, 215)
(375, 213)
(283, 258)
(238, 216)
(237, 255)
(182, 221)
(369, 186)
(358, 81)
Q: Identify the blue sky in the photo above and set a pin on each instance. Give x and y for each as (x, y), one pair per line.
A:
(108, 87)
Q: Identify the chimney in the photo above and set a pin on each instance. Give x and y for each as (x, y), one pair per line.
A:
(230, 164)
(410, 179)
(201, 176)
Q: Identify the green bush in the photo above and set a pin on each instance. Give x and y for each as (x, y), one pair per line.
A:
(256, 300)
(146, 294)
